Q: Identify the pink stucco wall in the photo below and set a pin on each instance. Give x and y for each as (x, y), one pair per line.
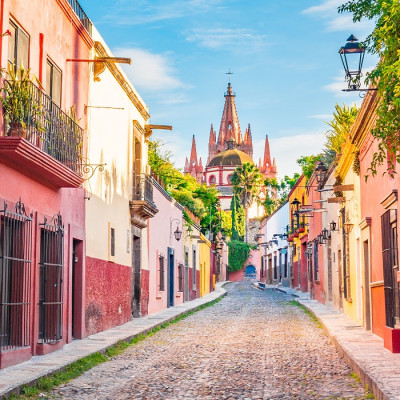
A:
(59, 35)
(160, 239)
(253, 259)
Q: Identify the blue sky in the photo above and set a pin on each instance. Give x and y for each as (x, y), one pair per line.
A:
(284, 56)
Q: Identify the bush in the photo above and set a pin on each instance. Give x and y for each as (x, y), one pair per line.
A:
(238, 254)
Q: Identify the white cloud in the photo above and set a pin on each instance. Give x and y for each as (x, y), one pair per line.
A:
(320, 116)
(140, 12)
(149, 71)
(326, 7)
(327, 10)
(232, 39)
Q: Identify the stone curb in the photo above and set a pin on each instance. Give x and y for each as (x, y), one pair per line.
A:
(28, 373)
(366, 377)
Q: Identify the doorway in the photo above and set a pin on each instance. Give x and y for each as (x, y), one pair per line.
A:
(136, 276)
(367, 304)
(77, 255)
(171, 277)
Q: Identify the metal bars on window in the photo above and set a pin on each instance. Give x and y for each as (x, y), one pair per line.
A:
(180, 277)
(15, 277)
(161, 271)
(51, 280)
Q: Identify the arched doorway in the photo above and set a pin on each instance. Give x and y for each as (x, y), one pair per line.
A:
(250, 270)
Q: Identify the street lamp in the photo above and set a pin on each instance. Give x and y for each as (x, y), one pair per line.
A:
(352, 56)
(320, 171)
(177, 232)
(325, 234)
(332, 226)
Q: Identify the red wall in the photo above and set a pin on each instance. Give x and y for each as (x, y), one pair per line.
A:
(102, 310)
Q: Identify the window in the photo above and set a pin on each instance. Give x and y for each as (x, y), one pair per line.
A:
(230, 179)
(51, 280)
(180, 277)
(18, 46)
(161, 273)
(275, 267)
(316, 269)
(186, 256)
(112, 242)
(212, 180)
(194, 268)
(15, 277)
(53, 82)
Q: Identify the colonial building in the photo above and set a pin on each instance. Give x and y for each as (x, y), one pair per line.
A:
(227, 152)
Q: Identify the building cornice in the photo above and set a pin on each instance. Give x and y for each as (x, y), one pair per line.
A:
(123, 82)
(69, 12)
(346, 159)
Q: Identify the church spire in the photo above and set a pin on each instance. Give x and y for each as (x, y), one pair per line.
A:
(193, 153)
(267, 155)
(230, 127)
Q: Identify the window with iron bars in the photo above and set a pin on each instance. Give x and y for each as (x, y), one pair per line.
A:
(15, 277)
(194, 266)
(51, 280)
(316, 267)
(180, 277)
(161, 272)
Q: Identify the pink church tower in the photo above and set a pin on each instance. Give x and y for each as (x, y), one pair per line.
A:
(193, 166)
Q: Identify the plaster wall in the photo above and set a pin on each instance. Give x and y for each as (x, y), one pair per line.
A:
(111, 138)
(205, 266)
(378, 188)
(332, 250)
(159, 230)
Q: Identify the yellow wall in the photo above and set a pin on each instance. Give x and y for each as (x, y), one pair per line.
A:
(205, 264)
(352, 306)
(299, 192)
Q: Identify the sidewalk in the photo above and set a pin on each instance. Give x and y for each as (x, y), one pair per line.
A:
(13, 378)
(362, 350)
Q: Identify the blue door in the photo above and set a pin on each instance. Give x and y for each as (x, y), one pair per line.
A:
(171, 276)
(250, 270)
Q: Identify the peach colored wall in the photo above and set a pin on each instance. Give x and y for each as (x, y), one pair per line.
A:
(378, 188)
(61, 41)
(161, 239)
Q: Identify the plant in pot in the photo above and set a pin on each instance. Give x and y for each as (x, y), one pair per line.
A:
(20, 108)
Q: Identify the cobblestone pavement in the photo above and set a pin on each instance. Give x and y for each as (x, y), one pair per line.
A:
(252, 345)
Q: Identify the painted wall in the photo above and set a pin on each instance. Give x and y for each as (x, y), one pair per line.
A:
(162, 238)
(205, 265)
(332, 250)
(378, 188)
(70, 41)
(111, 139)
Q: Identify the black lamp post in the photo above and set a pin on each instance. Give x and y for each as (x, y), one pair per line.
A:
(352, 56)
(320, 171)
(332, 226)
(325, 234)
(295, 209)
(178, 234)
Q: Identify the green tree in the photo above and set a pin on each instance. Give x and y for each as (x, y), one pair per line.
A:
(237, 218)
(307, 164)
(384, 42)
(340, 125)
(247, 181)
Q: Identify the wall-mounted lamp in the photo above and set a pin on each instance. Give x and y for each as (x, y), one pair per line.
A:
(332, 226)
(177, 232)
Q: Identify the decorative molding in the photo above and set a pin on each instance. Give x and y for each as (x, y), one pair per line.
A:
(343, 188)
(390, 200)
(141, 211)
(365, 223)
(336, 199)
(25, 157)
(125, 85)
(376, 284)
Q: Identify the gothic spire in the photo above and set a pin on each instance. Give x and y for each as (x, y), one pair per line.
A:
(230, 127)
(193, 153)
(267, 155)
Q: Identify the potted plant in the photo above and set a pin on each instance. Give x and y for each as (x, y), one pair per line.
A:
(20, 108)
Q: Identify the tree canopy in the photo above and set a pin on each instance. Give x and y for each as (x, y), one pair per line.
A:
(384, 42)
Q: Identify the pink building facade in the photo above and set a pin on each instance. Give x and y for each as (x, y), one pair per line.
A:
(166, 265)
(42, 224)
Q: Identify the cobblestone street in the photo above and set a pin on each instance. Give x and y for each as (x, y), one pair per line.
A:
(251, 345)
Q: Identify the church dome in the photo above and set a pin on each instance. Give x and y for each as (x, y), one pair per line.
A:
(230, 157)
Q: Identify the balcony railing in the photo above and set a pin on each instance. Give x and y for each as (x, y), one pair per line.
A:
(40, 121)
(143, 188)
(81, 15)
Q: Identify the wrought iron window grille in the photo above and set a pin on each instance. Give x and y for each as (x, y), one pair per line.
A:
(51, 280)
(15, 277)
